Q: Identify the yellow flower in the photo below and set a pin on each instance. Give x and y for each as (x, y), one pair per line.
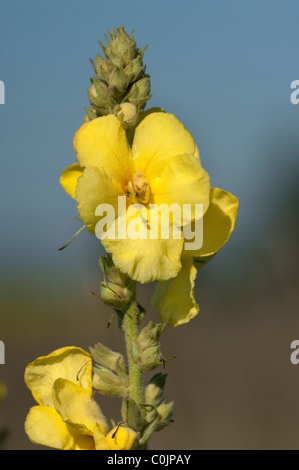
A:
(119, 438)
(161, 167)
(174, 299)
(66, 416)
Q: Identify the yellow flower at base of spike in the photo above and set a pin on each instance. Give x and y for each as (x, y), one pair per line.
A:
(162, 166)
(66, 416)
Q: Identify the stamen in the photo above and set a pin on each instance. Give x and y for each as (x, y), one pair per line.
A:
(138, 190)
(141, 188)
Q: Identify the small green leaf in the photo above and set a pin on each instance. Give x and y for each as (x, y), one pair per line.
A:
(131, 415)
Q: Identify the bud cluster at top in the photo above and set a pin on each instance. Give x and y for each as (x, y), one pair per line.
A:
(119, 79)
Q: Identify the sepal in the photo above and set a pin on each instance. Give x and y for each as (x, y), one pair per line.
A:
(131, 415)
(108, 383)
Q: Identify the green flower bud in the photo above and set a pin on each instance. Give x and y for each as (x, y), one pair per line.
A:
(127, 112)
(135, 69)
(165, 411)
(151, 414)
(114, 295)
(111, 360)
(98, 93)
(119, 289)
(121, 75)
(108, 383)
(150, 358)
(153, 394)
(112, 273)
(93, 91)
(100, 98)
(139, 93)
(118, 82)
(122, 47)
(150, 335)
(101, 68)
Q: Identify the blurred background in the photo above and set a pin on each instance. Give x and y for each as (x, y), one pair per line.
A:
(224, 69)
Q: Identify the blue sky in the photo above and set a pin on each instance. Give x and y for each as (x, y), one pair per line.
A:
(224, 68)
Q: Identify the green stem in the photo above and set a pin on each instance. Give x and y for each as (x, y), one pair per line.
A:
(130, 327)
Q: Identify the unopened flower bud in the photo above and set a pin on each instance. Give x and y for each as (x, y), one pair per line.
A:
(118, 82)
(140, 91)
(112, 273)
(149, 335)
(108, 383)
(110, 359)
(153, 394)
(150, 358)
(114, 295)
(122, 48)
(101, 68)
(127, 112)
(135, 69)
(165, 411)
(121, 75)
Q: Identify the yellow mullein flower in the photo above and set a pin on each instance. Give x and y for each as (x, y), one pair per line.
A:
(122, 438)
(119, 438)
(66, 416)
(175, 299)
(161, 167)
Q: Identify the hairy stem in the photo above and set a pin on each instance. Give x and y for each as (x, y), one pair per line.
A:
(130, 327)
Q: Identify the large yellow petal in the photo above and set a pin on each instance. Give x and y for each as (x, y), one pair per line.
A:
(147, 259)
(95, 187)
(182, 181)
(69, 178)
(44, 426)
(76, 407)
(218, 225)
(100, 439)
(70, 363)
(102, 143)
(77, 133)
(174, 299)
(159, 137)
